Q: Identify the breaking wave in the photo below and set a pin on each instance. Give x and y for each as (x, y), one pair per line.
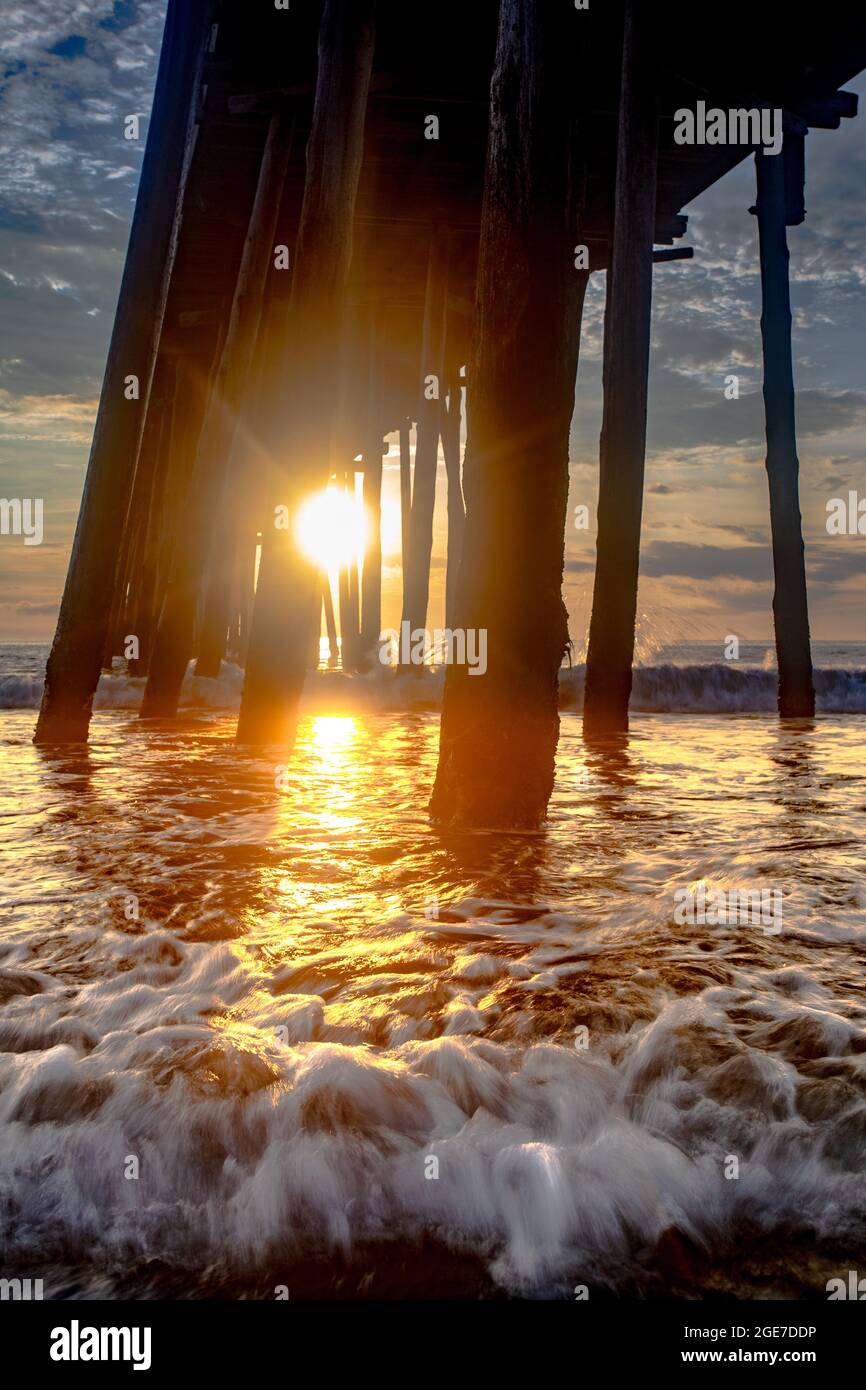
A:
(336, 1052)
(723, 688)
(666, 689)
(287, 1136)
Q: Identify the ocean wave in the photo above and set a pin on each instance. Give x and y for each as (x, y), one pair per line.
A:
(720, 688)
(132, 1130)
(20, 692)
(723, 688)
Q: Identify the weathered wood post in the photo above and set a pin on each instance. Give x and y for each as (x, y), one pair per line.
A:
(194, 370)
(73, 668)
(405, 496)
(248, 560)
(500, 728)
(145, 614)
(137, 566)
(330, 620)
(287, 591)
(207, 486)
(416, 584)
(790, 602)
(215, 619)
(451, 418)
(371, 580)
(626, 366)
(247, 487)
(347, 586)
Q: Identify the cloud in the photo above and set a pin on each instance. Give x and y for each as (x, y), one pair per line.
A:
(678, 558)
(26, 609)
(67, 187)
(59, 419)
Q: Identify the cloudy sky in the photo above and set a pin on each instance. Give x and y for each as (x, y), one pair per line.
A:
(70, 73)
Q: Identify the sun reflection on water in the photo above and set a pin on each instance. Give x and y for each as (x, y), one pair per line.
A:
(331, 735)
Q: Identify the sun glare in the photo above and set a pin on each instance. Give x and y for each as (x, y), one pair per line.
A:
(332, 529)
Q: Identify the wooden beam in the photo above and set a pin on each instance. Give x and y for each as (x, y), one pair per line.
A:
(790, 602)
(349, 598)
(82, 627)
(626, 364)
(416, 585)
(206, 492)
(500, 726)
(330, 620)
(155, 470)
(673, 253)
(302, 420)
(405, 496)
(451, 449)
(371, 587)
(826, 113)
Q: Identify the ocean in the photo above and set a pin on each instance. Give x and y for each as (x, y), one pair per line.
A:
(263, 1025)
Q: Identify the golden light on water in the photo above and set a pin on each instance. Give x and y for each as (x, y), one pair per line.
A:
(331, 736)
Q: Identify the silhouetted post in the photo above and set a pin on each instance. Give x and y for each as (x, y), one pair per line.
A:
(349, 598)
(250, 470)
(790, 602)
(137, 564)
(287, 595)
(416, 584)
(193, 378)
(227, 592)
(330, 620)
(626, 366)
(216, 616)
(74, 664)
(500, 729)
(371, 582)
(206, 491)
(451, 415)
(347, 637)
(405, 497)
(246, 591)
(145, 613)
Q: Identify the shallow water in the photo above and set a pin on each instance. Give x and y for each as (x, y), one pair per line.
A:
(321, 994)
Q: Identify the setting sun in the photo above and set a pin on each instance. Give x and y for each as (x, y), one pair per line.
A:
(332, 528)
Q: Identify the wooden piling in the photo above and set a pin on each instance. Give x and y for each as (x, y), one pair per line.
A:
(243, 502)
(145, 612)
(74, 664)
(417, 578)
(330, 620)
(450, 429)
(209, 481)
(790, 600)
(371, 581)
(626, 365)
(500, 728)
(405, 497)
(287, 593)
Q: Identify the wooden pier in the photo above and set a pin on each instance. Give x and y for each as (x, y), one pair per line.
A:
(344, 201)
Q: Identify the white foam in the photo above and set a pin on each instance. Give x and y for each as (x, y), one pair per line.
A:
(711, 689)
(260, 1131)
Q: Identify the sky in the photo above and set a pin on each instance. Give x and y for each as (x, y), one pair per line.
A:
(71, 73)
